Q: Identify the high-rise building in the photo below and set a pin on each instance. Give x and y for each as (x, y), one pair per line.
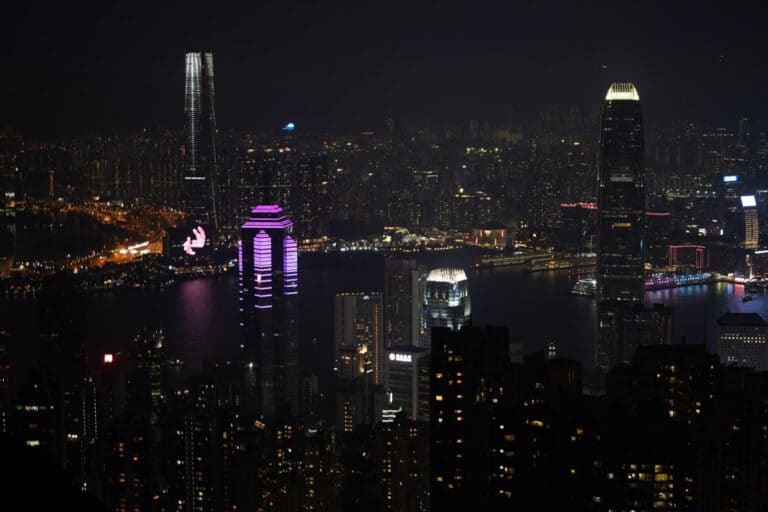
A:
(621, 220)
(200, 165)
(407, 380)
(467, 371)
(358, 326)
(751, 224)
(268, 282)
(403, 302)
(742, 340)
(446, 301)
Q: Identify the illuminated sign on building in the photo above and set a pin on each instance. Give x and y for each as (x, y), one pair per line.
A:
(730, 179)
(748, 201)
(400, 358)
(109, 358)
(197, 243)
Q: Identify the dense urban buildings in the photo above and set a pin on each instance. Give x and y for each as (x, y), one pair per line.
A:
(621, 221)
(155, 351)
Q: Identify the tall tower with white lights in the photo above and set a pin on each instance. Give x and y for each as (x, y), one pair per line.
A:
(200, 165)
(621, 222)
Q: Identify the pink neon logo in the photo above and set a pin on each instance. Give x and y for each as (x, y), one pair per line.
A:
(197, 243)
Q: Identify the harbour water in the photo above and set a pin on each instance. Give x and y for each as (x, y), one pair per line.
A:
(199, 317)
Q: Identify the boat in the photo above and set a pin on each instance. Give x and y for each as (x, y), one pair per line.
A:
(746, 298)
(585, 287)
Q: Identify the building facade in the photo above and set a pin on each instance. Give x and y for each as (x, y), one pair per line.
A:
(742, 340)
(269, 285)
(446, 301)
(200, 164)
(403, 302)
(621, 220)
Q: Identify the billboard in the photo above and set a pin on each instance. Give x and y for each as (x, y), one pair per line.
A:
(191, 242)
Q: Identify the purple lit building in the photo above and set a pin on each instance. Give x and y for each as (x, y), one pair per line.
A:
(268, 286)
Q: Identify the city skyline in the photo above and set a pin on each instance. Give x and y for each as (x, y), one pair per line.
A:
(477, 262)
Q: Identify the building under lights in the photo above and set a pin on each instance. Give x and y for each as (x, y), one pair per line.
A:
(621, 221)
(200, 165)
(358, 326)
(446, 301)
(268, 284)
(407, 380)
(742, 340)
(403, 301)
(751, 225)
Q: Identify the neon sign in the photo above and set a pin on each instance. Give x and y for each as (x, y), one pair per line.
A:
(197, 243)
(400, 358)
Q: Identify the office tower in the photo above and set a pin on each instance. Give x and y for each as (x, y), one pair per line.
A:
(446, 301)
(621, 220)
(403, 302)
(358, 326)
(200, 165)
(742, 340)
(751, 225)
(358, 353)
(406, 380)
(468, 368)
(149, 354)
(268, 282)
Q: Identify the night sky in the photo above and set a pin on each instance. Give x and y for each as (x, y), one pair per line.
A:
(96, 67)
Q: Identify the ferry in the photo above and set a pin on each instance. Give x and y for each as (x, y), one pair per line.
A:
(585, 287)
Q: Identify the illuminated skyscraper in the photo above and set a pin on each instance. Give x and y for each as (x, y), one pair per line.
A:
(621, 221)
(200, 166)
(446, 301)
(268, 282)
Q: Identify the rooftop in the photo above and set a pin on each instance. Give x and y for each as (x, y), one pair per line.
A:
(741, 320)
(447, 275)
(622, 91)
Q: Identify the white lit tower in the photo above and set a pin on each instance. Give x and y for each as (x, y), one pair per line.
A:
(446, 301)
(621, 222)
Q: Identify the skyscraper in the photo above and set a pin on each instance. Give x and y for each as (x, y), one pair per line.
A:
(446, 301)
(200, 165)
(403, 302)
(466, 387)
(621, 221)
(358, 326)
(268, 282)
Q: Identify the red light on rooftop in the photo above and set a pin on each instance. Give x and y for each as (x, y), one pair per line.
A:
(108, 358)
